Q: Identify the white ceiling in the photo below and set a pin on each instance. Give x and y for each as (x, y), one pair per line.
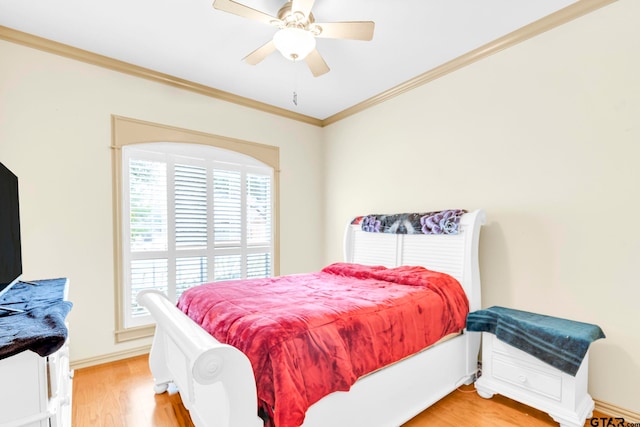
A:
(191, 40)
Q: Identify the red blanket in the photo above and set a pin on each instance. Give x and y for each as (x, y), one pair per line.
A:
(309, 335)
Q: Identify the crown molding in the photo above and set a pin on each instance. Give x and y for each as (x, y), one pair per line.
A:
(569, 13)
(540, 26)
(71, 52)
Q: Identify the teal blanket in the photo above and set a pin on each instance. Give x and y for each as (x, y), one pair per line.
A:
(559, 342)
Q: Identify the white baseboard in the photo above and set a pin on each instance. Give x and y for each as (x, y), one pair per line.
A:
(111, 357)
(616, 411)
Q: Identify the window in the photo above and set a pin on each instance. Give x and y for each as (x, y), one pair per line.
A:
(193, 214)
(189, 213)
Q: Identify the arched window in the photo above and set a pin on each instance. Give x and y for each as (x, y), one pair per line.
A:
(190, 213)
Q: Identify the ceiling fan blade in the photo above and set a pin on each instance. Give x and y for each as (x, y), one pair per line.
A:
(316, 64)
(260, 53)
(356, 30)
(245, 11)
(303, 6)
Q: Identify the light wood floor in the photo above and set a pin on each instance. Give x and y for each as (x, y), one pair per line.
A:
(120, 394)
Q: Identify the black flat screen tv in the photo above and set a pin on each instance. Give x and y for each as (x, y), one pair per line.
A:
(10, 246)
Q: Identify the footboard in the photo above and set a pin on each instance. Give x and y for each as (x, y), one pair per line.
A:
(215, 380)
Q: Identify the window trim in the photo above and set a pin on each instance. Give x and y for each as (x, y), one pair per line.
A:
(127, 131)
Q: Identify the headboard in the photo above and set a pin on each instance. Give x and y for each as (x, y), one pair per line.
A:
(456, 255)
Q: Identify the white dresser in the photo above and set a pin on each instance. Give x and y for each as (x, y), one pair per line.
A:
(513, 373)
(36, 391)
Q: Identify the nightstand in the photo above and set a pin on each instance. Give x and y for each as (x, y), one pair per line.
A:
(539, 360)
(522, 377)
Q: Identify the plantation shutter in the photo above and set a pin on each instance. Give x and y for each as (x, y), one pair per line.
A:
(191, 220)
(227, 220)
(259, 225)
(148, 225)
(191, 226)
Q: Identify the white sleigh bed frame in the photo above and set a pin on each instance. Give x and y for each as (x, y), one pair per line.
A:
(216, 381)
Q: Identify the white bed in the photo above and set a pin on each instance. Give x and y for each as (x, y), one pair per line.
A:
(216, 382)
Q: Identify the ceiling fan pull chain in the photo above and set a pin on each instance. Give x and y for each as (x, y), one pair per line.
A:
(295, 82)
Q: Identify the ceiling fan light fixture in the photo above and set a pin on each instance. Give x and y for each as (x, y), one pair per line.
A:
(294, 43)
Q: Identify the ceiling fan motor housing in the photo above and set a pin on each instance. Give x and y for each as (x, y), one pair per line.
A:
(297, 19)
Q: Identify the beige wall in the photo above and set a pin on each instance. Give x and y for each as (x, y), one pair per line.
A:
(55, 134)
(546, 137)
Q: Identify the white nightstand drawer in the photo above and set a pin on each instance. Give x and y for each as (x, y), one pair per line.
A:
(527, 376)
(513, 373)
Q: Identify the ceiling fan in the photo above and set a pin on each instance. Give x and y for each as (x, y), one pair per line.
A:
(297, 32)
